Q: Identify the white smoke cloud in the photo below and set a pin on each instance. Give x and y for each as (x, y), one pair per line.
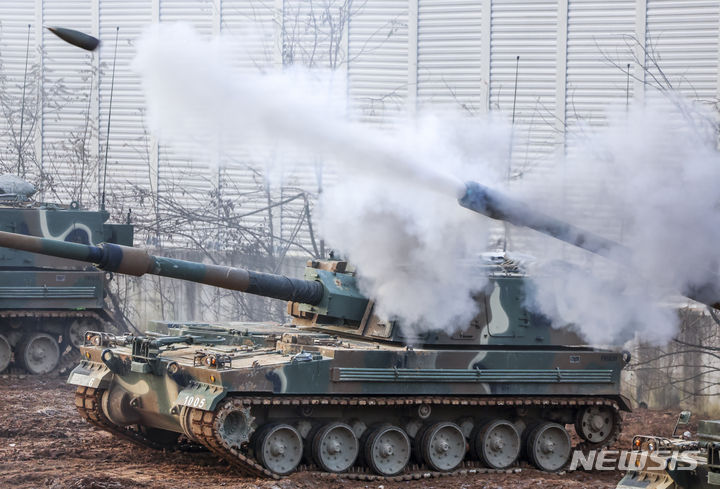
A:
(409, 242)
(653, 175)
(393, 210)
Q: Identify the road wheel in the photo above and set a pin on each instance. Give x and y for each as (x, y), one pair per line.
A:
(595, 424)
(496, 444)
(75, 331)
(387, 450)
(38, 353)
(335, 447)
(279, 448)
(549, 446)
(443, 446)
(5, 353)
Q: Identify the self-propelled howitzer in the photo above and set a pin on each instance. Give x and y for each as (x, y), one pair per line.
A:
(339, 390)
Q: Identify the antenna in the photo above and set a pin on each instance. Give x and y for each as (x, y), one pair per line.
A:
(107, 136)
(22, 108)
(512, 137)
(627, 89)
(517, 68)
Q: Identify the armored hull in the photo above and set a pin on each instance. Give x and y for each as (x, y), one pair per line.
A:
(351, 397)
(47, 303)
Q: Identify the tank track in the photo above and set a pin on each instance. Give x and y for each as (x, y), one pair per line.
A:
(88, 404)
(203, 427)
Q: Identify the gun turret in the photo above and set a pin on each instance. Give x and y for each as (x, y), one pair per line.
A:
(138, 262)
(496, 205)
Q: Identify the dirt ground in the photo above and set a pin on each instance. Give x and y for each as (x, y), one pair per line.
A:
(45, 444)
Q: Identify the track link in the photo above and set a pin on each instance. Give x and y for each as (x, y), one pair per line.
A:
(205, 429)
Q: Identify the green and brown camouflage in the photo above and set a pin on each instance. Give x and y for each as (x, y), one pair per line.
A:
(503, 368)
(343, 389)
(46, 303)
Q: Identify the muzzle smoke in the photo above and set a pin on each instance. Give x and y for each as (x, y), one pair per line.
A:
(393, 209)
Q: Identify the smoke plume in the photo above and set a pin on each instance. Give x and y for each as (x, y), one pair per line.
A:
(652, 174)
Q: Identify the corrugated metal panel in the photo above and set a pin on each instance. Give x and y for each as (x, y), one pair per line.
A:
(67, 125)
(14, 20)
(313, 32)
(186, 178)
(198, 13)
(129, 164)
(312, 37)
(254, 197)
(378, 59)
(527, 29)
(682, 35)
(599, 48)
(449, 54)
(253, 24)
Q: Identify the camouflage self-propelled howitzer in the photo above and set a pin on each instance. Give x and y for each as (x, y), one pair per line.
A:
(47, 303)
(339, 389)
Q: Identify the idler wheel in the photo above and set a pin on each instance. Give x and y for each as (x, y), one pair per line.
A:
(5, 353)
(595, 424)
(442, 446)
(496, 444)
(387, 450)
(279, 448)
(38, 353)
(549, 446)
(335, 447)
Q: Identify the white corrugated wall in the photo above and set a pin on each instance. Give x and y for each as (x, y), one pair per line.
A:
(18, 37)
(67, 75)
(681, 43)
(523, 87)
(601, 40)
(449, 55)
(378, 60)
(128, 143)
(397, 56)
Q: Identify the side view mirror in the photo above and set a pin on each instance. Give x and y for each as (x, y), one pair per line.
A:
(683, 419)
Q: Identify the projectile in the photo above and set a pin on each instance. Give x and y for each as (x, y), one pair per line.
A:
(76, 38)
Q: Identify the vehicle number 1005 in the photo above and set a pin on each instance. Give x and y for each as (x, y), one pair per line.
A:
(194, 401)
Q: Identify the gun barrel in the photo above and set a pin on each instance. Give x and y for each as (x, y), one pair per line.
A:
(496, 205)
(138, 262)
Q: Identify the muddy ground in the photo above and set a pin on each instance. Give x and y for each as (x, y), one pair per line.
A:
(44, 443)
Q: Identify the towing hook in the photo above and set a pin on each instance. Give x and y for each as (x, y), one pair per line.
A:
(112, 362)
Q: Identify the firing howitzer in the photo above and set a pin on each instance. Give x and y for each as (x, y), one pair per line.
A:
(497, 205)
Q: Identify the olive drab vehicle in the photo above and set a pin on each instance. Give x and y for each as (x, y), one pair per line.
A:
(677, 462)
(47, 303)
(340, 389)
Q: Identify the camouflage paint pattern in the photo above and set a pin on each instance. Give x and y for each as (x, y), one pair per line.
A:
(43, 295)
(507, 352)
